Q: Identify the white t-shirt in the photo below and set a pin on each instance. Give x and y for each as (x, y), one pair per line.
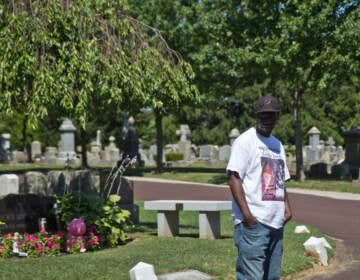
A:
(261, 164)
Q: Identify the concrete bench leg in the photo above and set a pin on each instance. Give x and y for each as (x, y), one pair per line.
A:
(209, 225)
(168, 223)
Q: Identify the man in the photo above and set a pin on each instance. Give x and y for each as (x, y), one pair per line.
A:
(260, 207)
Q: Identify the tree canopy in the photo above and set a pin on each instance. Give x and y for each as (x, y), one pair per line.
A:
(304, 52)
(74, 55)
(69, 53)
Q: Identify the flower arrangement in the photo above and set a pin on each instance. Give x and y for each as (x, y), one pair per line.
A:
(39, 245)
(46, 244)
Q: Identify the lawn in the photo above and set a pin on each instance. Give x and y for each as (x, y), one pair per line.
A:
(220, 178)
(186, 251)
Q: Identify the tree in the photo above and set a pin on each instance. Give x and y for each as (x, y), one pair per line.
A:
(302, 45)
(75, 55)
(239, 50)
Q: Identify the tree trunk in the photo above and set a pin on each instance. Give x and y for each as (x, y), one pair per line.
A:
(83, 140)
(300, 176)
(159, 138)
(27, 145)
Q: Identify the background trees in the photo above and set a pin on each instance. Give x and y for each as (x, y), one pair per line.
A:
(76, 58)
(304, 52)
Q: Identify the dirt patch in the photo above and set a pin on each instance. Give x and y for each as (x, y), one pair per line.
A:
(341, 261)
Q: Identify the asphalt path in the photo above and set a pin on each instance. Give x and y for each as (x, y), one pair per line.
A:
(335, 214)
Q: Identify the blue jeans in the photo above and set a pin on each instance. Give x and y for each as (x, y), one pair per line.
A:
(260, 250)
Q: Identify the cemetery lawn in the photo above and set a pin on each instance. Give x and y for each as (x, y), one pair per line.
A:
(184, 252)
(216, 176)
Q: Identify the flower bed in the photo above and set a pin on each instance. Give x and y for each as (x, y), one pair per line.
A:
(50, 244)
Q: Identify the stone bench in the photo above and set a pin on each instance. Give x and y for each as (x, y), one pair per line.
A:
(168, 215)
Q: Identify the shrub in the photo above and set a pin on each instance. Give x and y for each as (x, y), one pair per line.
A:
(174, 156)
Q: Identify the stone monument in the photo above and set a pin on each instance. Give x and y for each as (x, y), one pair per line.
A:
(67, 153)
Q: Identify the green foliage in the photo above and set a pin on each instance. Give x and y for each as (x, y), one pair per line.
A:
(113, 221)
(79, 205)
(241, 50)
(7, 242)
(76, 57)
(174, 156)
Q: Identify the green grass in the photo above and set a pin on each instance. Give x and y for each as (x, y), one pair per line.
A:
(221, 179)
(186, 251)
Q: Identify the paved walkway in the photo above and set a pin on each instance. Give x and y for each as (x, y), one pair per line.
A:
(333, 213)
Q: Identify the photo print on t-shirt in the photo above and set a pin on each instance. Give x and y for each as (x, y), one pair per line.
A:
(272, 179)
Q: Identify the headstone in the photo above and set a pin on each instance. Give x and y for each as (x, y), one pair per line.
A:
(224, 153)
(98, 139)
(35, 182)
(67, 154)
(84, 181)
(314, 137)
(341, 171)
(22, 212)
(3, 152)
(352, 144)
(18, 157)
(311, 154)
(234, 133)
(184, 144)
(142, 271)
(58, 182)
(319, 170)
(125, 189)
(50, 155)
(209, 152)
(112, 153)
(186, 275)
(9, 184)
(36, 152)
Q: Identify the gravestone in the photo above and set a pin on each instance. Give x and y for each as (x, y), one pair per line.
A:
(112, 153)
(22, 212)
(312, 151)
(4, 147)
(35, 182)
(36, 150)
(319, 170)
(184, 145)
(67, 153)
(224, 153)
(352, 144)
(9, 184)
(125, 189)
(209, 152)
(50, 155)
(234, 133)
(58, 182)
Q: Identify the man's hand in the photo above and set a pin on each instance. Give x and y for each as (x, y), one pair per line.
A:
(288, 212)
(249, 221)
(288, 215)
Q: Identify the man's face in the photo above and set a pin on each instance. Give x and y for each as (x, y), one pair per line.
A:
(265, 122)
